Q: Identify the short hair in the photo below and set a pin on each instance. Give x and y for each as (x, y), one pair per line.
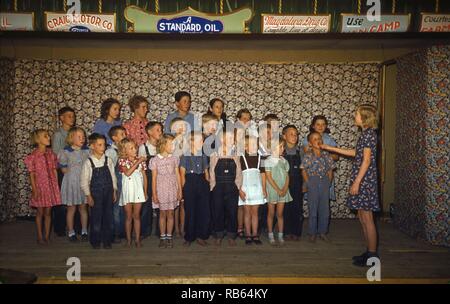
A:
(368, 116)
(71, 132)
(34, 136)
(122, 144)
(64, 110)
(208, 117)
(176, 119)
(311, 133)
(163, 141)
(270, 116)
(152, 124)
(181, 94)
(106, 106)
(243, 111)
(94, 137)
(315, 119)
(289, 127)
(113, 131)
(135, 101)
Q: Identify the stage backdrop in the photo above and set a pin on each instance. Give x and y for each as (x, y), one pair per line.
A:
(33, 91)
(422, 145)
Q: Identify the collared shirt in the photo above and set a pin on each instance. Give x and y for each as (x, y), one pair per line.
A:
(151, 149)
(112, 153)
(70, 157)
(59, 140)
(135, 129)
(189, 118)
(86, 172)
(102, 127)
(318, 165)
(194, 164)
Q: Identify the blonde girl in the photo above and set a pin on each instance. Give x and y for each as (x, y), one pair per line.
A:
(71, 160)
(134, 187)
(364, 186)
(42, 164)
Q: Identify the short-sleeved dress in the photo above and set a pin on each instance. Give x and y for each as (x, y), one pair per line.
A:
(71, 159)
(43, 165)
(279, 168)
(367, 197)
(166, 181)
(133, 185)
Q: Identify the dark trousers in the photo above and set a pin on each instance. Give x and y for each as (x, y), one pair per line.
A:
(101, 216)
(196, 207)
(146, 218)
(225, 198)
(262, 218)
(147, 211)
(59, 212)
(293, 211)
(118, 222)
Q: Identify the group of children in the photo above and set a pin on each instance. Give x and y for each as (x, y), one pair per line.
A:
(200, 176)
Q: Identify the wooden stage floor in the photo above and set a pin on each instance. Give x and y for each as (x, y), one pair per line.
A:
(403, 259)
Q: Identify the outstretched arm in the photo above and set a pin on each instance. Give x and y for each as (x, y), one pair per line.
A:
(346, 152)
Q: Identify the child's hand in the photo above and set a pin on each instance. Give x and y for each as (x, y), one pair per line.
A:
(114, 196)
(179, 195)
(265, 193)
(155, 198)
(324, 147)
(90, 201)
(280, 192)
(354, 189)
(35, 194)
(242, 195)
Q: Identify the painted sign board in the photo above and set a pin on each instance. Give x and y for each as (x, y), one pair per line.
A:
(434, 22)
(85, 22)
(295, 24)
(351, 23)
(13, 21)
(189, 21)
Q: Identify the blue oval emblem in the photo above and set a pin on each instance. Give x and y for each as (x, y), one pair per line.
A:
(79, 28)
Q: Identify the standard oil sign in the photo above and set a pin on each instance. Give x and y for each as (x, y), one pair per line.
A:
(189, 21)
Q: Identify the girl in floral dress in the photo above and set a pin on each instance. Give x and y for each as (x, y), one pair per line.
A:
(364, 186)
(166, 185)
(42, 164)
